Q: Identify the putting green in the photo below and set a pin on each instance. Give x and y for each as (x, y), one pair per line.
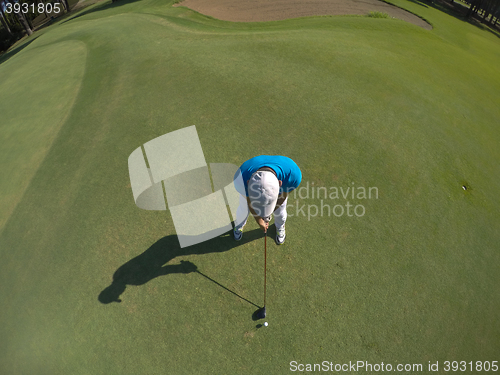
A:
(355, 101)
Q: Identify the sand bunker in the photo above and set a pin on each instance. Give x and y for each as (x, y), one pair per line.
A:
(275, 10)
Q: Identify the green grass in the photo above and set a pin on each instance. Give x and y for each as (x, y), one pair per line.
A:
(350, 99)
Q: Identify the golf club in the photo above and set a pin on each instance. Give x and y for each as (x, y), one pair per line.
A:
(261, 313)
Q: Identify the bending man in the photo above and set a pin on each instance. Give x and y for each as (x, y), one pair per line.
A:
(267, 180)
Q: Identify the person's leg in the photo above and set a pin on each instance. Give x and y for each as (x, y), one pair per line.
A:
(280, 216)
(241, 214)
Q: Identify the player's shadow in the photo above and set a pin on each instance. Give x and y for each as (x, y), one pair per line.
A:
(152, 262)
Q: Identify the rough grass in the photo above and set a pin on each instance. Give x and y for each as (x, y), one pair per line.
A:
(378, 15)
(385, 104)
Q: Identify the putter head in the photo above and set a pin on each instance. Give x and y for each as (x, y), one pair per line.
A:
(260, 313)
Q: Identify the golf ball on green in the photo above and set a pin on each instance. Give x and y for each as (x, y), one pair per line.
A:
(265, 324)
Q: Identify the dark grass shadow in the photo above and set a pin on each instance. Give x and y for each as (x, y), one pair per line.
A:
(421, 3)
(475, 20)
(152, 263)
(75, 8)
(458, 11)
(103, 6)
(40, 23)
(74, 12)
(7, 55)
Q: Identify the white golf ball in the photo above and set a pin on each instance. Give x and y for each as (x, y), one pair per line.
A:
(265, 324)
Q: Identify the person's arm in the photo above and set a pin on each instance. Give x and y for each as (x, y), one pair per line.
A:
(260, 221)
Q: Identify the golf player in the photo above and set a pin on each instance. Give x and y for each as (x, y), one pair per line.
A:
(265, 183)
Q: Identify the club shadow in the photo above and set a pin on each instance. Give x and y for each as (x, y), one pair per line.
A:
(152, 262)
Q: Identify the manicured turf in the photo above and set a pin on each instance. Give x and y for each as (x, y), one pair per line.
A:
(374, 102)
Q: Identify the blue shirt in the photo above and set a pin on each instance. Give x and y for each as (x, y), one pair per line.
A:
(286, 170)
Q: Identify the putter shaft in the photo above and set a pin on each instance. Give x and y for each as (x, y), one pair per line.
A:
(265, 266)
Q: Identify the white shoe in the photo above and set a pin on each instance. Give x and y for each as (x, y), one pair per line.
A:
(280, 236)
(238, 234)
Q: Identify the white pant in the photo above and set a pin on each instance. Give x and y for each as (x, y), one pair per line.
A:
(242, 214)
